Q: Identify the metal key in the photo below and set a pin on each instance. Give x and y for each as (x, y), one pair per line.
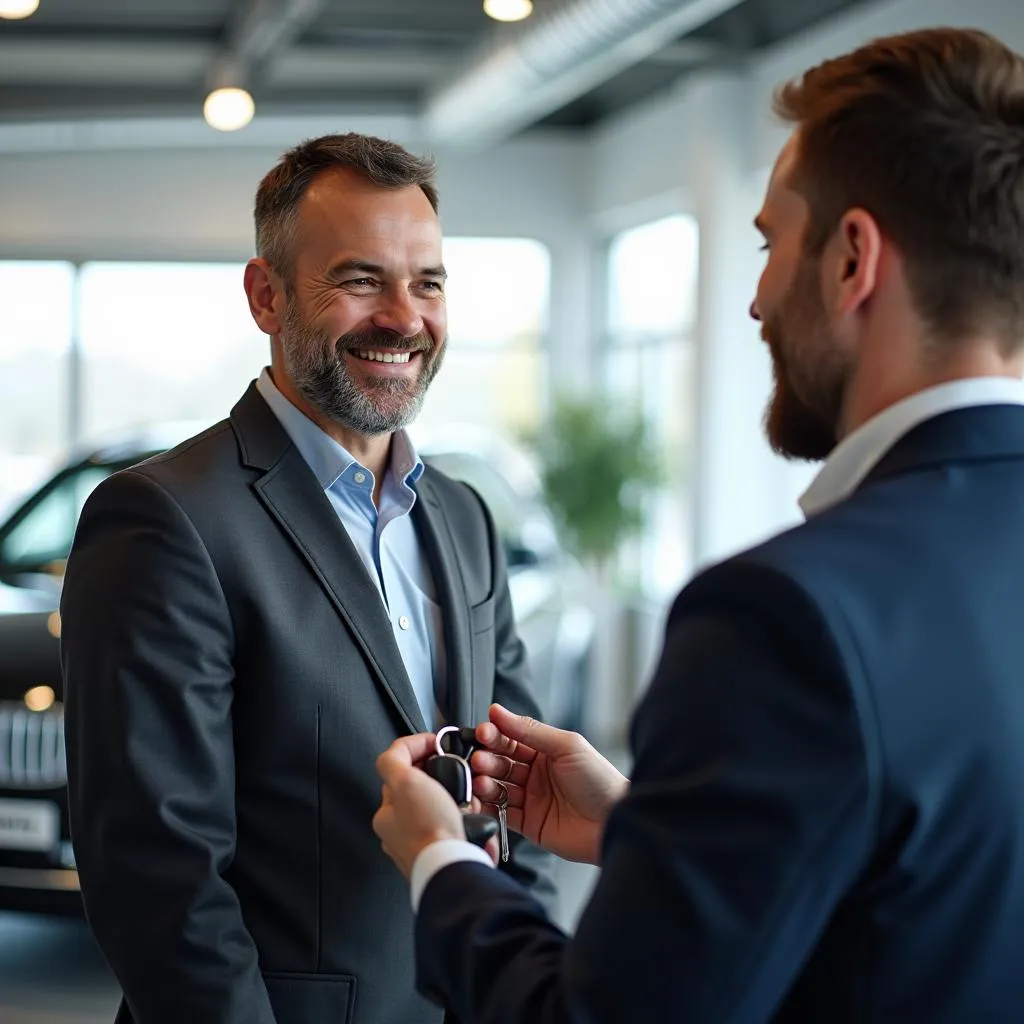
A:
(502, 806)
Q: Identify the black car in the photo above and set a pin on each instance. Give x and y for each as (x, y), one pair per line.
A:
(37, 864)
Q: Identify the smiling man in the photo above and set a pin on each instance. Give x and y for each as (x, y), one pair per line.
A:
(250, 617)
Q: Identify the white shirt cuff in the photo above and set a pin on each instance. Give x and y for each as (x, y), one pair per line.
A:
(439, 855)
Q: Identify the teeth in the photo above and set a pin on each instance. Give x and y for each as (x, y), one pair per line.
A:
(385, 357)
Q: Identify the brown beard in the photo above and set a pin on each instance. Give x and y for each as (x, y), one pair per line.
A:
(802, 418)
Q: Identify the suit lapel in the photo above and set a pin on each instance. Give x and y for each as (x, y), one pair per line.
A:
(439, 549)
(291, 494)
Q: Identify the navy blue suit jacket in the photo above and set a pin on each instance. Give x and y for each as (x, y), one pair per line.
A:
(826, 818)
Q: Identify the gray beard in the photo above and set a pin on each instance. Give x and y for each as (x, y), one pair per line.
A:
(318, 371)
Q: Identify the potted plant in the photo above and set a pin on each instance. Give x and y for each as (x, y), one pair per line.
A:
(598, 466)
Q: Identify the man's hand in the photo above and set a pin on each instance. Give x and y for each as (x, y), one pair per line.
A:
(415, 809)
(560, 789)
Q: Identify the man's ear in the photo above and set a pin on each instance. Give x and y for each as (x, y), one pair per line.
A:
(856, 252)
(266, 294)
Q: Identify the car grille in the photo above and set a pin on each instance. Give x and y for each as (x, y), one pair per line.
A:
(32, 747)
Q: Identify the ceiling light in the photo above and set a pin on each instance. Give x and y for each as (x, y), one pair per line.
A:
(508, 10)
(40, 698)
(228, 109)
(17, 8)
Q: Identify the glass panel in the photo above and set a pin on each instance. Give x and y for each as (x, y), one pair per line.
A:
(652, 304)
(165, 342)
(653, 277)
(35, 337)
(494, 375)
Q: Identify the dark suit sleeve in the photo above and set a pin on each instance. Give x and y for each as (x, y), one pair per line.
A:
(748, 817)
(527, 863)
(147, 649)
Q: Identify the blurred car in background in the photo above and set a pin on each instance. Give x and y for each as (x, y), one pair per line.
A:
(37, 866)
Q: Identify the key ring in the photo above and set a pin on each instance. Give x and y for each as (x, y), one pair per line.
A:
(437, 741)
(467, 797)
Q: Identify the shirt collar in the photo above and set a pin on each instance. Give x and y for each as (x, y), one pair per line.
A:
(858, 453)
(324, 456)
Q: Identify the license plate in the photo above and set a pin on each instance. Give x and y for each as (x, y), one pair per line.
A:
(28, 825)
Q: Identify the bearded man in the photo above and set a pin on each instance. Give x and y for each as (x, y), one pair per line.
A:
(825, 818)
(251, 617)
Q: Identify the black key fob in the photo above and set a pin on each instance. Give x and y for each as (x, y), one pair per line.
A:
(460, 741)
(453, 773)
(479, 828)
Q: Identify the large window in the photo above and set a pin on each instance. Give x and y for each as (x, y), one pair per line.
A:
(164, 342)
(35, 336)
(91, 351)
(494, 374)
(649, 366)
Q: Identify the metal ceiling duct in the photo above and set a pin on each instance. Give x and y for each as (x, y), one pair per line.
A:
(567, 48)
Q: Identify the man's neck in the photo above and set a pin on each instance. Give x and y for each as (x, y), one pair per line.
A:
(881, 380)
(373, 452)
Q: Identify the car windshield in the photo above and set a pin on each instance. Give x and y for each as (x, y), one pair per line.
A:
(38, 536)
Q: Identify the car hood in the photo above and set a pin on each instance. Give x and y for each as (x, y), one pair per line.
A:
(23, 599)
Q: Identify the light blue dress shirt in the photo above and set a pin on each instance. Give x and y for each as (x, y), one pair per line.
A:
(385, 538)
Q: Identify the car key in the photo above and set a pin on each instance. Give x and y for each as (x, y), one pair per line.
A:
(453, 772)
(502, 806)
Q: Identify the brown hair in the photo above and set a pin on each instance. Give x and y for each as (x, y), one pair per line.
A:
(925, 131)
(382, 162)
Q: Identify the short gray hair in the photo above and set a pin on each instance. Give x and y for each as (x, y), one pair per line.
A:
(381, 162)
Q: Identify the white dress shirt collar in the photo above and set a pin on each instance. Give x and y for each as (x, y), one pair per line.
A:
(858, 453)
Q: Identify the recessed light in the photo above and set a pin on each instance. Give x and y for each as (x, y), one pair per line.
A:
(228, 109)
(508, 10)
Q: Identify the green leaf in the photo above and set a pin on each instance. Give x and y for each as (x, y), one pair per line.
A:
(597, 467)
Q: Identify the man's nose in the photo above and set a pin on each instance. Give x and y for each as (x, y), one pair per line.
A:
(397, 313)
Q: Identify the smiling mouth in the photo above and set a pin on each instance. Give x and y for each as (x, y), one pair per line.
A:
(377, 356)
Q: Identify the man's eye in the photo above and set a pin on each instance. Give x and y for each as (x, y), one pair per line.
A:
(362, 282)
(433, 286)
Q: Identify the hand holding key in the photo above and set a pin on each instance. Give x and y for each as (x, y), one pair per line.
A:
(558, 790)
(416, 810)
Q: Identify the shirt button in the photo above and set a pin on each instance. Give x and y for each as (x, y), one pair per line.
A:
(359, 478)
(403, 622)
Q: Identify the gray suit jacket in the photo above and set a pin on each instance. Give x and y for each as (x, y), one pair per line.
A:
(230, 678)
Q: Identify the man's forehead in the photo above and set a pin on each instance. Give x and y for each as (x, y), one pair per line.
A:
(782, 172)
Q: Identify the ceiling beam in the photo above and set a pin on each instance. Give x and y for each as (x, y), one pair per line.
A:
(566, 49)
(259, 31)
(87, 64)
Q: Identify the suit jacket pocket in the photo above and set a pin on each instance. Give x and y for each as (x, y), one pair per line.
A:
(481, 616)
(302, 998)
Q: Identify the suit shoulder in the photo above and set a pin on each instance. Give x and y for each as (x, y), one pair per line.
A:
(809, 570)
(200, 460)
(185, 474)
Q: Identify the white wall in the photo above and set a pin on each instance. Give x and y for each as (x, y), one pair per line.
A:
(152, 203)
